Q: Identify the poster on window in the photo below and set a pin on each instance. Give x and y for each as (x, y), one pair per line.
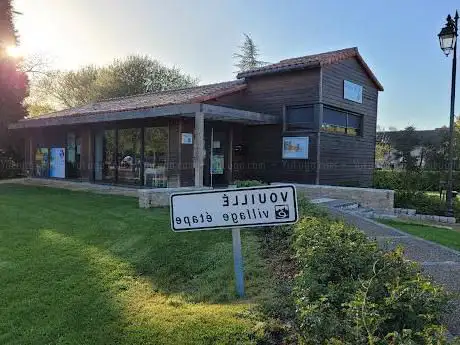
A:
(57, 164)
(217, 165)
(295, 147)
(41, 162)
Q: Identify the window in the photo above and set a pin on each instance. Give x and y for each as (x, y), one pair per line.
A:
(334, 121)
(338, 121)
(299, 118)
(156, 155)
(129, 155)
(109, 155)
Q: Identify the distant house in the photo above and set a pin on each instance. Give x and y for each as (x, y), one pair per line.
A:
(310, 119)
(428, 140)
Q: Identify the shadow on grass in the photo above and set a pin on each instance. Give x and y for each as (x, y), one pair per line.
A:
(105, 272)
(196, 265)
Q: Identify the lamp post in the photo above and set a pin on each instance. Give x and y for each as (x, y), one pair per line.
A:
(448, 42)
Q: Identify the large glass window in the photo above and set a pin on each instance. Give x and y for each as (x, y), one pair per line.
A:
(299, 118)
(73, 155)
(129, 155)
(156, 157)
(110, 165)
(337, 121)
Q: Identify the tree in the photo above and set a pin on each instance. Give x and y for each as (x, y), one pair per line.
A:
(405, 142)
(13, 82)
(382, 146)
(133, 75)
(248, 56)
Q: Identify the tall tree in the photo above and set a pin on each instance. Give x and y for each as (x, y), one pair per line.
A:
(57, 90)
(248, 55)
(13, 82)
(405, 142)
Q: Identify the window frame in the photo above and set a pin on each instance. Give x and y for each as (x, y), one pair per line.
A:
(347, 113)
(286, 125)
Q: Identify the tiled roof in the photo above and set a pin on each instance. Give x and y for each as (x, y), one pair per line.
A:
(310, 61)
(194, 94)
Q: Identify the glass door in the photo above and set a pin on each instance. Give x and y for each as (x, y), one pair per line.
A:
(73, 169)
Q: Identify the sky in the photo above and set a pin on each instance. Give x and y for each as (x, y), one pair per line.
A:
(397, 38)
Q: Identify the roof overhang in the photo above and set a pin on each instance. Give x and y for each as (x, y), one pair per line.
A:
(211, 112)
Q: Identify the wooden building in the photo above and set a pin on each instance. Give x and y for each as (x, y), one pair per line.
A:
(308, 120)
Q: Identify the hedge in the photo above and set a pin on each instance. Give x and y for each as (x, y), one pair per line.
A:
(419, 180)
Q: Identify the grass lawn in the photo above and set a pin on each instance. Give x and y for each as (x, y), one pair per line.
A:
(447, 237)
(81, 268)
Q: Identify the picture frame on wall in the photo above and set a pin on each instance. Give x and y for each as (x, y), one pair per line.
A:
(295, 147)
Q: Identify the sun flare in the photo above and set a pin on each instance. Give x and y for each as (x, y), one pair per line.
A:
(14, 51)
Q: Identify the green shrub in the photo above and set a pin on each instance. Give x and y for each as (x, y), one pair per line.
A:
(424, 203)
(347, 291)
(248, 183)
(411, 180)
(9, 165)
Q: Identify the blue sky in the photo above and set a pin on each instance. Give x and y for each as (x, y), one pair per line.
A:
(396, 38)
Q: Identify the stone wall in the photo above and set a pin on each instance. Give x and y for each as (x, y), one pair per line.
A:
(377, 199)
(159, 197)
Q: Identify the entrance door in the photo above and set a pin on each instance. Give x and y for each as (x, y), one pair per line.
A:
(73, 168)
(216, 157)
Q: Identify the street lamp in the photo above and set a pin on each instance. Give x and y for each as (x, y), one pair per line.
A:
(448, 42)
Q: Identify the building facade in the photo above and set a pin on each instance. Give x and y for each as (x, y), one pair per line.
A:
(305, 120)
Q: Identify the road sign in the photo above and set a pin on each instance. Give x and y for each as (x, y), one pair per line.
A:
(234, 208)
(231, 208)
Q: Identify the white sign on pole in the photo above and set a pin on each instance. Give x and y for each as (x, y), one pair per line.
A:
(187, 138)
(234, 208)
(352, 91)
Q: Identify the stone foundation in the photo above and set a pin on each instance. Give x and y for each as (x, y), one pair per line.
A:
(159, 197)
(377, 199)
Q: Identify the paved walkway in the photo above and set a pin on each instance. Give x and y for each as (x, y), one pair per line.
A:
(437, 261)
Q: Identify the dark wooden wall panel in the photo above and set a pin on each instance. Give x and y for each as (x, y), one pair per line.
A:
(187, 172)
(174, 154)
(349, 160)
(262, 157)
(268, 94)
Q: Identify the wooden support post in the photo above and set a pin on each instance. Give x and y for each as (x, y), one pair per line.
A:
(229, 169)
(142, 165)
(198, 146)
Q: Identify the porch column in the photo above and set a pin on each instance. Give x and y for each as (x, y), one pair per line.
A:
(198, 146)
(30, 166)
(229, 170)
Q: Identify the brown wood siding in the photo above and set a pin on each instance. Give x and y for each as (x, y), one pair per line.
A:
(86, 153)
(264, 157)
(270, 94)
(187, 172)
(349, 160)
(173, 169)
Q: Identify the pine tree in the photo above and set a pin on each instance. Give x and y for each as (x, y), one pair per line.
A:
(248, 57)
(13, 83)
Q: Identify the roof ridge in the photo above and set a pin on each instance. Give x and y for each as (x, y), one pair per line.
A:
(236, 81)
(321, 54)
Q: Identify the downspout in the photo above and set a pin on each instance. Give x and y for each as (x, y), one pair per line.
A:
(320, 121)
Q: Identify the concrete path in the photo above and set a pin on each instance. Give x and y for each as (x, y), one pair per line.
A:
(439, 262)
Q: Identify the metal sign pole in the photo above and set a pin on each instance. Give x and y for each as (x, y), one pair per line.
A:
(211, 156)
(238, 261)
